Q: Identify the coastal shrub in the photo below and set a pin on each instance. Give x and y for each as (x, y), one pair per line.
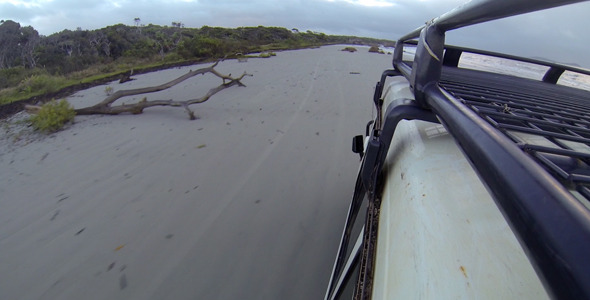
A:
(107, 68)
(41, 84)
(10, 73)
(53, 115)
(349, 49)
(32, 86)
(11, 77)
(265, 55)
(375, 49)
(173, 57)
(201, 46)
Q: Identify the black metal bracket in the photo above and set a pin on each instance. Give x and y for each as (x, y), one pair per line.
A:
(377, 100)
(427, 66)
(553, 74)
(378, 146)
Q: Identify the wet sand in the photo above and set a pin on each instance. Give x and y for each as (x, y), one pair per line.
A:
(247, 202)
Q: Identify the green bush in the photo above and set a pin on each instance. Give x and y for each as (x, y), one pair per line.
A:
(53, 116)
(201, 46)
(173, 57)
(375, 49)
(264, 55)
(13, 76)
(107, 68)
(41, 84)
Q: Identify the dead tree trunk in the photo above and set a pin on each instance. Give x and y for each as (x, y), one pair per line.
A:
(126, 77)
(105, 107)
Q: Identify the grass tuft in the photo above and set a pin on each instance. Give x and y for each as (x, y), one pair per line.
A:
(267, 54)
(52, 116)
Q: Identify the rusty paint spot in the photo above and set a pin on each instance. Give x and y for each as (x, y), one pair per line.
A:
(119, 247)
(462, 268)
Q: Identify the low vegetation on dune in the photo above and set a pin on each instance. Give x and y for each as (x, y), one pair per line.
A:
(376, 49)
(349, 49)
(267, 54)
(52, 116)
(32, 65)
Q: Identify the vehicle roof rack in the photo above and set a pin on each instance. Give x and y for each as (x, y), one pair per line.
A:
(528, 140)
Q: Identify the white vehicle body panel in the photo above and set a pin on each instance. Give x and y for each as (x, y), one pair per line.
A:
(441, 236)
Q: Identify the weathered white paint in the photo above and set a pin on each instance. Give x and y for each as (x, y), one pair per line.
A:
(441, 236)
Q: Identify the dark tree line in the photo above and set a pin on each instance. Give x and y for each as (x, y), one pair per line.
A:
(69, 51)
(18, 45)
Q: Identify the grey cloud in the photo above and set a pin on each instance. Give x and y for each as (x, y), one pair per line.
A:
(557, 34)
(9, 11)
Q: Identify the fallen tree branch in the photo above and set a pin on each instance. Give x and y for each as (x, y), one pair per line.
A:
(104, 107)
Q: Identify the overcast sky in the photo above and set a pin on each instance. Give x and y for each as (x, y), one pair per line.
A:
(532, 35)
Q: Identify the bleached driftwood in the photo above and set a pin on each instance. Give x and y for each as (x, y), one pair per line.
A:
(105, 106)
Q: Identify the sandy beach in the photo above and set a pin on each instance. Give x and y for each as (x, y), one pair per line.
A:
(246, 202)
